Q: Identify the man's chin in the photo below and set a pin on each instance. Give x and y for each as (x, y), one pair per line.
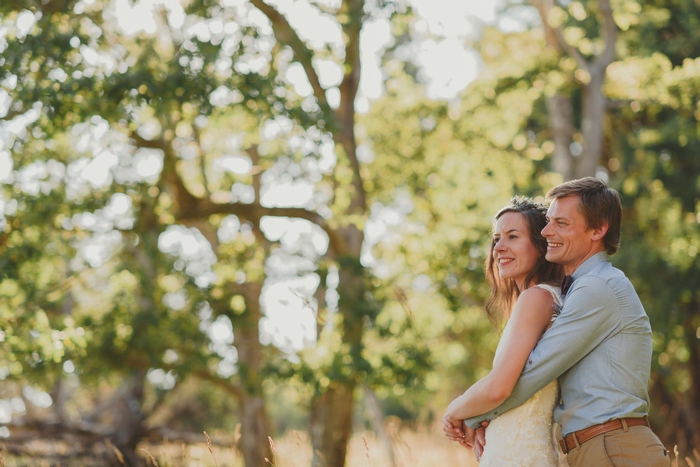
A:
(551, 257)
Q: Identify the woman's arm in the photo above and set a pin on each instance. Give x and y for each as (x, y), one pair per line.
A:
(530, 318)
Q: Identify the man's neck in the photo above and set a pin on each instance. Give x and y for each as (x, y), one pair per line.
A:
(569, 270)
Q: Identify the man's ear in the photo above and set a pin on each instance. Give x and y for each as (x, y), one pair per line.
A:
(599, 232)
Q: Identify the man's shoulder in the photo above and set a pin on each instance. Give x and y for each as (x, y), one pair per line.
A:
(609, 285)
(605, 272)
(599, 284)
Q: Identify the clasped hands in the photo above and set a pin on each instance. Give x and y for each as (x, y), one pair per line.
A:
(456, 430)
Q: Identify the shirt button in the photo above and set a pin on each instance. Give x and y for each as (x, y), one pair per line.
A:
(530, 362)
(496, 412)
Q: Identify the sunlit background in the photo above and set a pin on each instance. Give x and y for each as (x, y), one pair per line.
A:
(447, 65)
(199, 228)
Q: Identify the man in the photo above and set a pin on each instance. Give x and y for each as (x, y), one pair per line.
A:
(599, 346)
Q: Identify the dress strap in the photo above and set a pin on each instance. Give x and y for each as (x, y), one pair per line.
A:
(554, 290)
(556, 296)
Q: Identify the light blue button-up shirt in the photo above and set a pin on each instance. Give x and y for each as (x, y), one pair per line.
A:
(600, 349)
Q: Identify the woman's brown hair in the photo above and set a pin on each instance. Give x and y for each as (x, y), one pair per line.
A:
(504, 292)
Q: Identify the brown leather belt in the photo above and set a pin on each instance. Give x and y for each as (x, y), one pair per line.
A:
(569, 441)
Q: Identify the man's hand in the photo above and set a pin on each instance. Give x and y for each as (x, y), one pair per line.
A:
(474, 439)
(479, 441)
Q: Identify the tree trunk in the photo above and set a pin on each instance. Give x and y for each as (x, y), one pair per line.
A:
(254, 444)
(331, 407)
(593, 111)
(331, 424)
(331, 411)
(378, 422)
(128, 419)
(677, 423)
(592, 124)
(691, 327)
(562, 128)
(255, 428)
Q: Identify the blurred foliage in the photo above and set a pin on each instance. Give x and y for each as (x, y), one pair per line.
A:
(92, 293)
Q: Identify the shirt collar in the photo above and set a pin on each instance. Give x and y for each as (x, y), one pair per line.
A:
(588, 265)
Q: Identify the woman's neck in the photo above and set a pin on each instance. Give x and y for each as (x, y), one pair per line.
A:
(523, 287)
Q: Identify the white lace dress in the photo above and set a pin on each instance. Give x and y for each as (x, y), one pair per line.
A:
(524, 436)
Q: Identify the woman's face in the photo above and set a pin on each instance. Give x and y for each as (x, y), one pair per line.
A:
(513, 250)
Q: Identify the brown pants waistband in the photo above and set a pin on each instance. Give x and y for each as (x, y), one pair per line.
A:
(570, 441)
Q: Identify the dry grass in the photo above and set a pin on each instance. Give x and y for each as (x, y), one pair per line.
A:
(422, 448)
(412, 448)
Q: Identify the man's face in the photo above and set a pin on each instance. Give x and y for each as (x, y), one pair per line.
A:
(569, 241)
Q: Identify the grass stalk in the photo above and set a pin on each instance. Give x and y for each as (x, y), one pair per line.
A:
(211, 449)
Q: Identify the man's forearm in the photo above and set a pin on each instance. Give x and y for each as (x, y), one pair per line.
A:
(585, 321)
(527, 386)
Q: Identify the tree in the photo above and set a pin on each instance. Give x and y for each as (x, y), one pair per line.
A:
(164, 98)
(73, 89)
(569, 34)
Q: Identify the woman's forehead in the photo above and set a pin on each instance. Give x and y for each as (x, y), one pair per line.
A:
(510, 221)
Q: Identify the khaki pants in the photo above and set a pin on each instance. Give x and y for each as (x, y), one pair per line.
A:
(636, 447)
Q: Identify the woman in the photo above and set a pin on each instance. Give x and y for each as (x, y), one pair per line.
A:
(525, 292)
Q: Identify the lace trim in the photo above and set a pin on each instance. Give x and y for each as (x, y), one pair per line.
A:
(556, 311)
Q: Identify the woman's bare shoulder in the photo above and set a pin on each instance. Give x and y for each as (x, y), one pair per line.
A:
(534, 297)
(535, 293)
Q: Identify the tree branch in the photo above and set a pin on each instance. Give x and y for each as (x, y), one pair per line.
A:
(253, 213)
(11, 114)
(56, 430)
(202, 162)
(142, 363)
(142, 142)
(252, 152)
(353, 11)
(191, 208)
(220, 382)
(286, 35)
(44, 430)
(555, 35)
(608, 33)
(543, 7)
(46, 8)
(570, 49)
(186, 201)
(323, 8)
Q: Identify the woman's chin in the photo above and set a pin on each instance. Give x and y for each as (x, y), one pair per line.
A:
(505, 273)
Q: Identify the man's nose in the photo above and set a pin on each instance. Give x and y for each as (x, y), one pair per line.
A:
(545, 231)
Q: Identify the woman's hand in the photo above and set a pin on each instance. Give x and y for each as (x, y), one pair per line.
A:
(456, 430)
(453, 428)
